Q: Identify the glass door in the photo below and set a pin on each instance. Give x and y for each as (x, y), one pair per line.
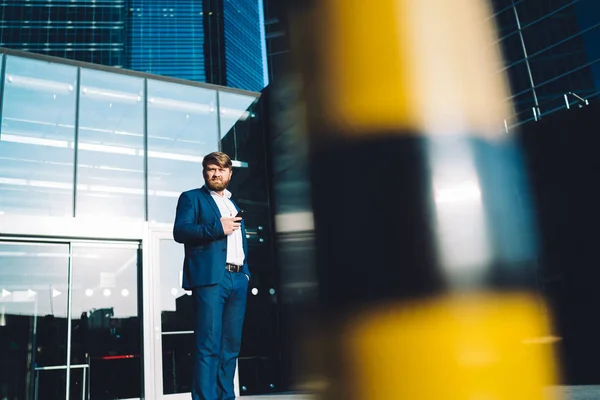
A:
(173, 318)
(33, 319)
(69, 321)
(105, 321)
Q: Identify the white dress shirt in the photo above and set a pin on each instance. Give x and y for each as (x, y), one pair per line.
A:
(235, 247)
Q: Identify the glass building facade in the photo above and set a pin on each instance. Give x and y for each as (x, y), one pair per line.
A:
(87, 30)
(551, 53)
(213, 41)
(245, 46)
(92, 161)
(277, 38)
(167, 38)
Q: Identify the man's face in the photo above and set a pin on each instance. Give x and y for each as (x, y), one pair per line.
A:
(217, 178)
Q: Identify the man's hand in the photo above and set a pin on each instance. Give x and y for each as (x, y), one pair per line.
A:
(230, 224)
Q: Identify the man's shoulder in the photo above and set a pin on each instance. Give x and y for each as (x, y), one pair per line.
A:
(192, 192)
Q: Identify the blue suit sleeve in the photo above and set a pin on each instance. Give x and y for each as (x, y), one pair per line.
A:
(187, 230)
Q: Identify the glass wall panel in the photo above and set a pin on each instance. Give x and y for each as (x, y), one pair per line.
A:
(182, 128)
(33, 319)
(105, 322)
(233, 108)
(243, 138)
(106, 332)
(36, 140)
(110, 162)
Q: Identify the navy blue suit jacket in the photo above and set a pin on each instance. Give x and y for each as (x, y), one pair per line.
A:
(198, 227)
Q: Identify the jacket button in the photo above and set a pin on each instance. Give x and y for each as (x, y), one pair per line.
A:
(224, 250)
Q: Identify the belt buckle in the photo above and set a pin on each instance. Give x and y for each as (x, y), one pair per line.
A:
(232, 268)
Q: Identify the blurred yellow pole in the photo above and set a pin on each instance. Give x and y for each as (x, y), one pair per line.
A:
(425, 249)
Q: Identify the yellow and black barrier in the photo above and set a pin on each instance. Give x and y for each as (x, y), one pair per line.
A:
(425, 244)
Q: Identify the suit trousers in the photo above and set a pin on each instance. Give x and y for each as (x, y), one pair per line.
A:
(219, 316)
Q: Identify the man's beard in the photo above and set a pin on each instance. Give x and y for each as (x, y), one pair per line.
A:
(217, 185)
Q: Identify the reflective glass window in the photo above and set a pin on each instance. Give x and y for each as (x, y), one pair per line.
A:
(33, 319)
(105, 322)
(110, 159)
(37, 136)
(234, 107)
(242, 138)
(182, 128)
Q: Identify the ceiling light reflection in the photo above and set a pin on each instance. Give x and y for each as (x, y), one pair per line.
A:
(5, 253)
(34, 140)
(99, 93)
(180, 105)
(114, 95)
(39, 84)
(85, 188)
(109, 149)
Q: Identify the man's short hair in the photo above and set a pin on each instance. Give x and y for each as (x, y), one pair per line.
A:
(217, 158)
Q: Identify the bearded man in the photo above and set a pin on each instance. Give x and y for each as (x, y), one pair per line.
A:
(208, 224)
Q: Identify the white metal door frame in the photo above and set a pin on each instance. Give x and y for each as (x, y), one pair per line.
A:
(153, 365)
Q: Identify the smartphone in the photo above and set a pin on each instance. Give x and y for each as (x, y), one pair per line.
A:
(241, 213)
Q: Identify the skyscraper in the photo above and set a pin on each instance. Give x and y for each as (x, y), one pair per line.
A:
(213, 41)
(86, 30)
(166, 38)
(245, 47)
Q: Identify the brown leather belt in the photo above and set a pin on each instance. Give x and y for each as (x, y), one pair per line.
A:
(233, 268)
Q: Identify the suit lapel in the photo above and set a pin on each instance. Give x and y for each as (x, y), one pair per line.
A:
(210, 201)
